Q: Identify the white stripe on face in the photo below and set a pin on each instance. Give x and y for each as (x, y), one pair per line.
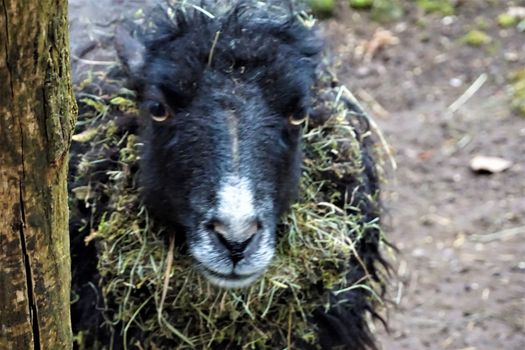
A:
(236, 207)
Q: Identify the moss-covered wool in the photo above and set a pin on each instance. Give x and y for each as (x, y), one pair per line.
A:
(318, 244)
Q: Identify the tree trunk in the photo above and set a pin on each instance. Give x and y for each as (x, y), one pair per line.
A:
(37, 116)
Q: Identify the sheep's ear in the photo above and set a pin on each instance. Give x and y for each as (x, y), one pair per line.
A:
(129, 49)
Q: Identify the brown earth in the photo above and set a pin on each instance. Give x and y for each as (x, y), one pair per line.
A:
(461, 235)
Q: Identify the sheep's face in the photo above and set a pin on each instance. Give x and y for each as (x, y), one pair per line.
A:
(221, 156)
(223, 168)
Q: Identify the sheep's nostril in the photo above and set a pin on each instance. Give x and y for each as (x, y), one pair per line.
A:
(235, 240)
(252, 229)
(236, 249)
(219, 228)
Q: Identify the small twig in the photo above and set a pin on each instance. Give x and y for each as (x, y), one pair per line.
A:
(503, 234)
(169, 264)
(399, 293)
(373, 125)
(289, 336)
(370, 100)
(471, 91)
(200, 9)
(133, 317)
(86, 61)
(210, 56)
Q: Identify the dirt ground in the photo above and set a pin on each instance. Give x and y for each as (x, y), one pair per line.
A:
(461, 235)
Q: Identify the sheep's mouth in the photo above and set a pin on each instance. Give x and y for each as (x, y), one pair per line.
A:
(232, 280)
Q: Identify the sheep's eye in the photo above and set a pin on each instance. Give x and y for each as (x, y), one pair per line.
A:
(293, 120)
(157, 111)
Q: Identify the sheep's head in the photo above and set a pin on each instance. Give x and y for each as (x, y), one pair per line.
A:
(223, 100)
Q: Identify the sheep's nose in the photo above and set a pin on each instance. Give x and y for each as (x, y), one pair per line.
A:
(236, 238)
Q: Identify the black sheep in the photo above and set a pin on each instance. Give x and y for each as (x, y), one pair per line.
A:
(224, 94)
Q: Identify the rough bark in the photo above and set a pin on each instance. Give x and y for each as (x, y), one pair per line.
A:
(37, 115)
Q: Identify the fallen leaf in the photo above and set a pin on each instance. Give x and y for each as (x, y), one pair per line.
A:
(489, 164)
(382, 38)
(425, 155)
(459, 241)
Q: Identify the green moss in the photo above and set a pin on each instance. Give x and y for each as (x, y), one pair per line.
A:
(443, 7)
(506, 21)
(97, 104)
(476, 38)
(122, 102)
(518, 92)
(322, 7)
(380, 10)
(361, 4)
(386, 10)
(481, 23)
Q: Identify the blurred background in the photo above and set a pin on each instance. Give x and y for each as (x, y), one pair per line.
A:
(445, 81)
